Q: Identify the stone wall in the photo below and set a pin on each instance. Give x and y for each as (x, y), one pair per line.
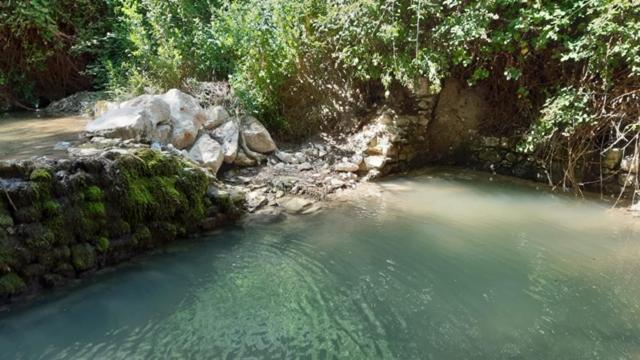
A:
(62, 219)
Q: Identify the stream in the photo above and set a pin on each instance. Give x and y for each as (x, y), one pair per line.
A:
(446, 264)
(27, 134)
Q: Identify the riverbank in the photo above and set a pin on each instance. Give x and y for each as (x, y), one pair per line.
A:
(67, 218)
(157, 168)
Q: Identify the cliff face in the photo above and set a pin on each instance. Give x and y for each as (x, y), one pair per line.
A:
(62, 219)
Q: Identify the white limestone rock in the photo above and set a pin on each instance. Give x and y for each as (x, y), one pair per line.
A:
(207, 152)
(256, 136)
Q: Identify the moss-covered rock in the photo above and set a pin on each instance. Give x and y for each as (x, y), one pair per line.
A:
(102, 244)
(5, 218)
(95, 212)
(11, 284)
(93, 193)
(41, 175)
(83, 257)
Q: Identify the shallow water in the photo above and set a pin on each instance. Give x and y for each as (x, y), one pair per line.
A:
(443, 266)
(23, 135)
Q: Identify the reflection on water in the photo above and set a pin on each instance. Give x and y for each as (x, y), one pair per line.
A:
(23, 135)
(445, 266)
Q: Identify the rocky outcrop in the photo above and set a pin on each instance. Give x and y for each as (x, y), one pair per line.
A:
(78, 103)
(63, 219)
(175, 120)
(390, 143)
(458, 114)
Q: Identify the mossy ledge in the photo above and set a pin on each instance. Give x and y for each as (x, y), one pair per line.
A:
(64, 219)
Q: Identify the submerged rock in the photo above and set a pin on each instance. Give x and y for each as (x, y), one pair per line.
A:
(295, 204)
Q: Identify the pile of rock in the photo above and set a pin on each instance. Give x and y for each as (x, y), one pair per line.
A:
(387, 144)
(176, 121)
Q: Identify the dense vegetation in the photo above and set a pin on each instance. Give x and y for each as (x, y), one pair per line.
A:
(568, 70)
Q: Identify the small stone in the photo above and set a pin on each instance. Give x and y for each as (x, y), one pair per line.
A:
(375, 162)
(286, 157)
(346, 167)
(295, 205)
(629, 164)
(611, 158)
(305, 166)
(255, 200)
(243, 160)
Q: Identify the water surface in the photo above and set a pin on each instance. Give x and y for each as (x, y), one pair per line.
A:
(444, 266)
(27, 134)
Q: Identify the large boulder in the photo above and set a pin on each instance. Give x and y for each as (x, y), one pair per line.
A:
(256, 136)
(187, 117)
(133, 119)
(227, 135)
(207, 152)
(102, 106)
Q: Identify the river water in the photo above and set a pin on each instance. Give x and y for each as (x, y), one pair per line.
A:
(442, 265)
(27, 134)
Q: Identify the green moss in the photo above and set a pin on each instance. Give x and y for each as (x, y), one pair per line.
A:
(41, 175)
(102, 244)
(6, 255)
(39, 238)
(83, 257)
(11, 284)
(50, 208)
(5, 218)
(62, 233)
(118, 228)
(142, 235)
(95, 210)
(159, 164)
(93, 193)
(160, 187)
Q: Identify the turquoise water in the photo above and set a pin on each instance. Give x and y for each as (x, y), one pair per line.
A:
(451, 266)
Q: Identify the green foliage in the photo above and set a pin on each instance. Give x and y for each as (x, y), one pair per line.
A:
(46, 44)
(561, 116)
(264, 46)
